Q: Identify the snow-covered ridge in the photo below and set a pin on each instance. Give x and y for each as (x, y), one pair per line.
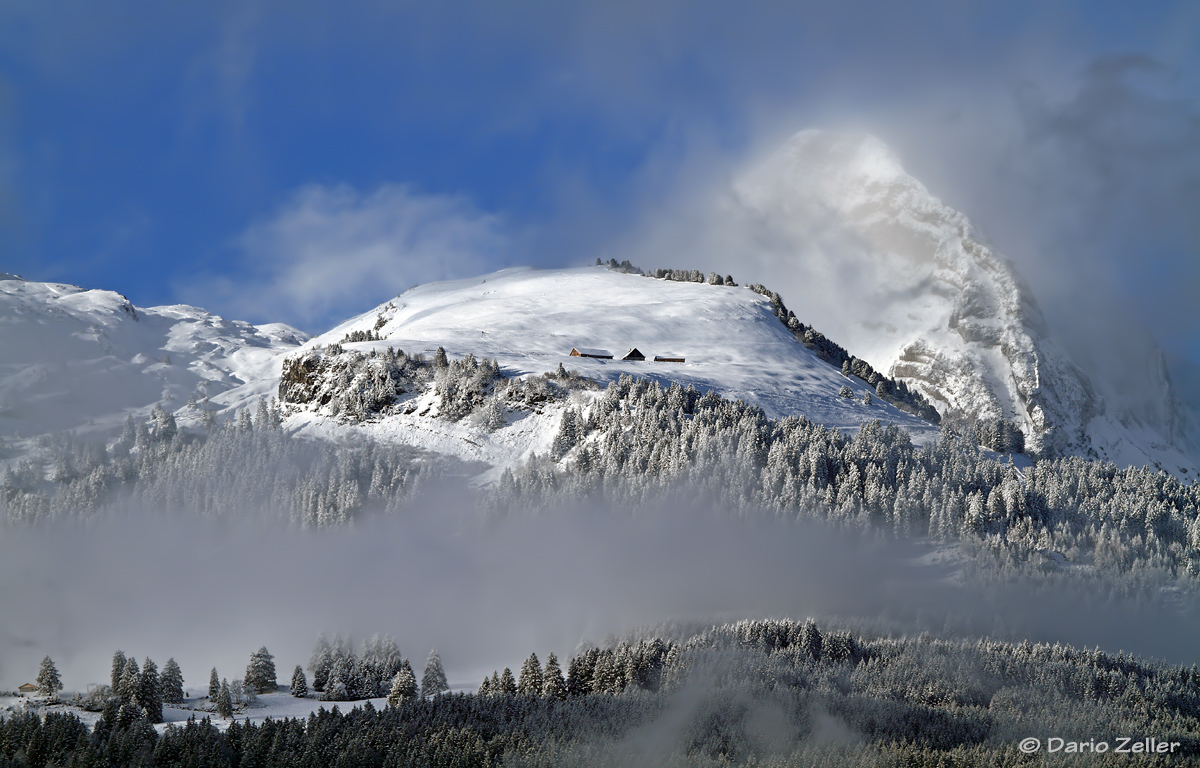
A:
(904, 280)
(83, 359)
(529, 320)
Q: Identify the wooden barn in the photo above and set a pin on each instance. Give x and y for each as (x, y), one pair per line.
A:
(668, 358)
(28, 689)
(633, 354)
(599, 354)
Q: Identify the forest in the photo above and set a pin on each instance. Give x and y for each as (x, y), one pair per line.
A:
(773, 692)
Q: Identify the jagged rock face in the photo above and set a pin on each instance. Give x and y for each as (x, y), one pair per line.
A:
(932, 303)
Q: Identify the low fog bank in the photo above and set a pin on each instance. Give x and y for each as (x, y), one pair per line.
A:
(486, 594)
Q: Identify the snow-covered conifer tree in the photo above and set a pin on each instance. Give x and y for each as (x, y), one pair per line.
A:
(48, 681)
(508, 684)
(214, 685)
(224, 700)
(171, 683)
(433, 681)
(131, 679)
(118, 664)
(404, 685)
(299, 683)
(260, 672)
(530, 682)
(149, 694)
(553, 685)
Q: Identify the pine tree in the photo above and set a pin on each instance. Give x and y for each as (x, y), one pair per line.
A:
(48, 681)
(485, 688)
(434, 681)
(224, 701)
(260, 672)
(320, 663)
(118, 665)
(530, 682)
(404, 685)
(149, 695)
(553, 685)
(131, 680)
(171, 683)
(508, 684)
(214, 685)
(299, 683)
(439, 358)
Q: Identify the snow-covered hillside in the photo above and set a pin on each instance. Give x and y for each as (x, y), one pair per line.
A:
(904, 281)
(530, 320)
(83, 359)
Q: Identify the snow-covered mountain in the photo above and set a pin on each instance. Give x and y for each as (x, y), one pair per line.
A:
(83, 359)
(529, 321)
(906, 282)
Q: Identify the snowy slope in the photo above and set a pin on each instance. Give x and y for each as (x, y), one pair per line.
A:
(82, 359)
(905, 282)
(529, 320)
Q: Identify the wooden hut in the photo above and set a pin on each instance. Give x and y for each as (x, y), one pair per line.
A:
(28, 689)
(633, 354)
(668, 358)
(599, 354)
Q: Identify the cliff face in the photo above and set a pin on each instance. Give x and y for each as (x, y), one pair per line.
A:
(920, 291)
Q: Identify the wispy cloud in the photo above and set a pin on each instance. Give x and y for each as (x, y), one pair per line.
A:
(330, 252)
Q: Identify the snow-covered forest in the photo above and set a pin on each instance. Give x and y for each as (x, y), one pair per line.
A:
(635, 444)
(775, 692)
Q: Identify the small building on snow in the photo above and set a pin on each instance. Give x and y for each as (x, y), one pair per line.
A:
(28, 689)
(599, 354)
(668, 358)
(633, 354)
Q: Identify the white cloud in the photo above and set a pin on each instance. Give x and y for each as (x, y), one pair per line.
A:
(330, 252)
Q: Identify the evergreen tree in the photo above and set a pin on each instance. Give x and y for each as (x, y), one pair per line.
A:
(320, 663)
(224, 701)
(48, 681)
(485, 688)
(214, 685)
(171, 683)
(530, 682)
(439, 358)
(260, 672)
(118, 665)
(299, 683)
(508, 684)
(404, 685)
(553, 685)
(149, 695)
(131, 680)
(434, 681)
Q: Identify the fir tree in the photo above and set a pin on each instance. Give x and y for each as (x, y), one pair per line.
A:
(48, 681)
(224, 701)
(433, 681)
(118, 664)
(260, 672)
(508, 684)
(299, 683)
(171, 683)
(553, 685)
(149, 695)
(320, 663)
(404, 685)
(131, 680)
(214, 685)
(530, 682)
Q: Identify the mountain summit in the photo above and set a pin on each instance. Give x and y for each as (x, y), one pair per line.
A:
(908, 283)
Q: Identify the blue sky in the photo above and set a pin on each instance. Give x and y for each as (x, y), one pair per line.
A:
(304, 161)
